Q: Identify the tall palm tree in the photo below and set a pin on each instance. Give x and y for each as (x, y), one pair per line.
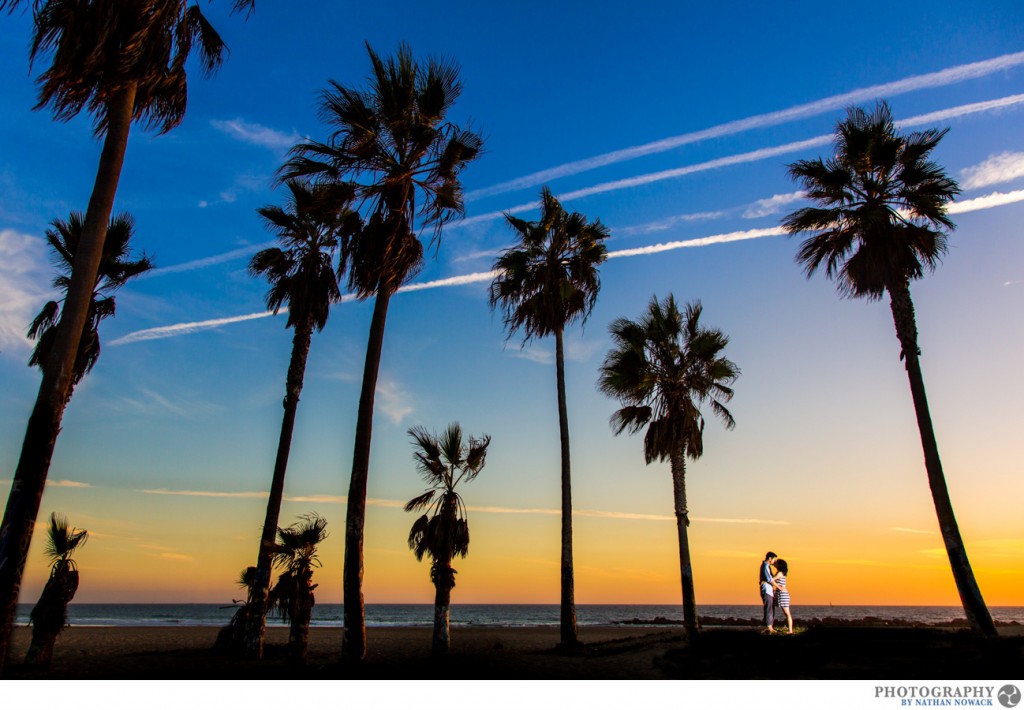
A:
(302, 278)
(50, 614)
(662, 369)
(393, 143)
(548, 281)
(292, 595)
(121, 61)
(879, 223)
(442, 532)
(115, 270)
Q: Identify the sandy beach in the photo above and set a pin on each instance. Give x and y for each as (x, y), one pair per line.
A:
(528, 653)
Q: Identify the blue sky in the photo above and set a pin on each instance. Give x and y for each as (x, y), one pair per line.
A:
(632, 112)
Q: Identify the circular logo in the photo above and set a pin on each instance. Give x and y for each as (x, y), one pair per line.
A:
(1009, 696)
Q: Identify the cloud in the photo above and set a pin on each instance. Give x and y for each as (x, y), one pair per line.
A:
(256, 134)
(576, 350)
(393, 400)
(667, 223)
(67, 484)
(170, 331)
(944, 77)
(912, 530)
(772, 205)
(24, 287)
(207, 261)
(997, 168)
(985, 202)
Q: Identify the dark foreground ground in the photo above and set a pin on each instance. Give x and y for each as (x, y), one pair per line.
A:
(616, 653)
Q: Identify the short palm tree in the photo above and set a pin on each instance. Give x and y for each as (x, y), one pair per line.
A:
(50, 614)
(880, 222)
(302, 278)
(442, 532)
(292, 595)
(121, 61)
(546, 282)
(663, 368)
(115, 270)
(393, 143)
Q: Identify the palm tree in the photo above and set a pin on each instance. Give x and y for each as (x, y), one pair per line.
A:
(50, 614)
(121, 61)
(662, 369)
(442, 532)
(302, 278)
(394, 145)
(545, 283)
(293, 593)
(879, 223)
(115, 270)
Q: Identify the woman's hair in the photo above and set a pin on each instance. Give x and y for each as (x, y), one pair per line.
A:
(781, 566)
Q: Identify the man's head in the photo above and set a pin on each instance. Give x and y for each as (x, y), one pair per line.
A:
(770, 557)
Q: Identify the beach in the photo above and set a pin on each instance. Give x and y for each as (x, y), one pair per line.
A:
(620, 652)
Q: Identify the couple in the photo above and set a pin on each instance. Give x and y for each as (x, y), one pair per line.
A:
(773, 590)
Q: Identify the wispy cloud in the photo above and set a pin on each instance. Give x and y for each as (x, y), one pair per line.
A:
(576, 349)
(393, 400)
(207, 261)
(150, 402)
(23, 269)
(668, 222)
(945, 77)
(1002, 167)
(772, 205)
(67, 484)
(256, 134)
(170, 331)
(912, 530)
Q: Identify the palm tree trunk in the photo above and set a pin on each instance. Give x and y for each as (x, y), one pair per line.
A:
(678, 462)
(903, 317)
(256, 621)
(298, 635)
(49, 616)
(353, 643)
(441, 642)
(567, 625)
(44, 423)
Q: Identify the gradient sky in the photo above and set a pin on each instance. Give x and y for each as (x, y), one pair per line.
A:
(673, 124)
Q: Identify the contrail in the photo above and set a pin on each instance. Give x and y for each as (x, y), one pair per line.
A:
(945, 77)
(206, 261)
(996, 199)
(741, 158)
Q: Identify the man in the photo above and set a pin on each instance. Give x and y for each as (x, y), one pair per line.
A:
(768, 588)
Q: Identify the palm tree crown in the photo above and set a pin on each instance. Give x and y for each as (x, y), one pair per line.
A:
(116, 269)
(99, 51)
(62, 541)
(393, 142)
(443, 461)
(550, 279)
(302, 274)
(297, 545)
(662, 368)
(880, 217)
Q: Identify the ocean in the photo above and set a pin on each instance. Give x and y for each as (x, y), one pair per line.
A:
(328, 615)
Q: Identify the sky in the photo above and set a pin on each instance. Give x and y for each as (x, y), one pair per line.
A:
(672, 124)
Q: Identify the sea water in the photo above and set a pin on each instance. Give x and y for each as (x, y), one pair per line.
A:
(502, 614)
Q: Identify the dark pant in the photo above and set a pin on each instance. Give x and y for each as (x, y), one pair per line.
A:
(769, 608)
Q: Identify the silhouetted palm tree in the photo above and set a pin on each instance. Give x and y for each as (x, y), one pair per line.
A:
(879, 223)
(50, 614)
(302, 277)
(663, 368)
(121, 61)
(293, 593)
(116, 268)
(548, 281)
(393, 144)
(442, 532)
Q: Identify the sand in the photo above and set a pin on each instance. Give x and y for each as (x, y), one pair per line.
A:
(482, 653)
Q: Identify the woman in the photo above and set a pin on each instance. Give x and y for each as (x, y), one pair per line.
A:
(781, 592)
